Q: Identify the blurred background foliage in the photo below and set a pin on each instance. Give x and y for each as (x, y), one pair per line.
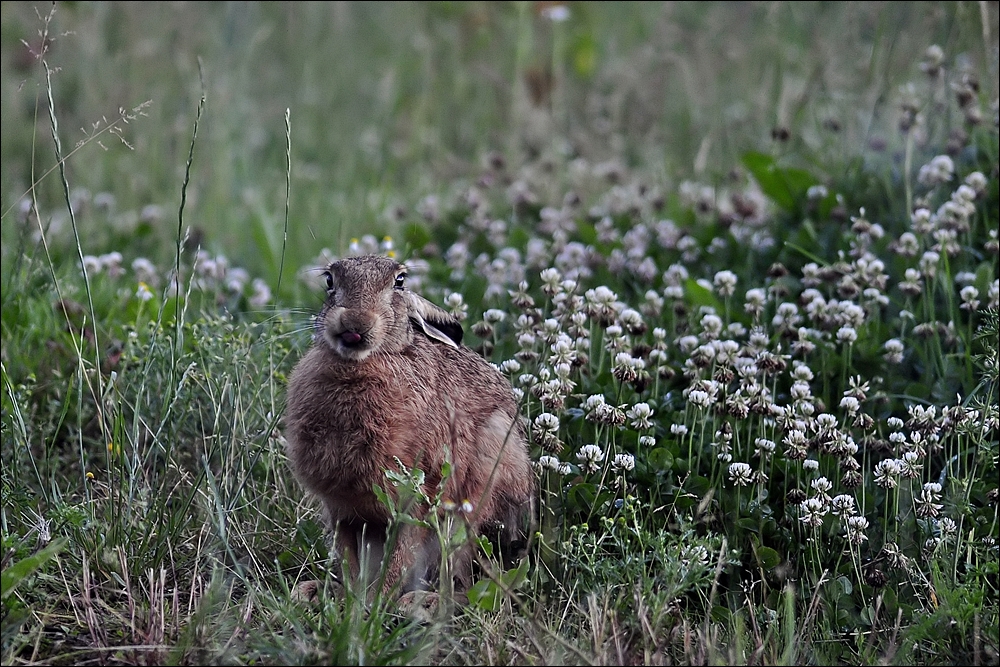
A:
(392, 101)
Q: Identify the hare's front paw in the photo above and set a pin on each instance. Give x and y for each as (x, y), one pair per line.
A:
(421, 605)
(309, 591)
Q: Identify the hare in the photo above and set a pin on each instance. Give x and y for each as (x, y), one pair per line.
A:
(387, 378)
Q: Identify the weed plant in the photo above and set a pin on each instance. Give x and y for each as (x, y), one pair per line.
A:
(762, 397)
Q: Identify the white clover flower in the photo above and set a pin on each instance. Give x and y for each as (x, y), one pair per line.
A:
(909, 464)
(236, 280)
(562, 371)
(112, 263)
(631, 319)
(970, 298)
(456, 305)
(594, 401)
(797, 434)
(551, 279)
(679, 429)
(977, 181)
(646, 441)
(826, 421)
(526, 341)
(510, 366)
(939, 170)
(800, 391)
(145, 271)
(856, 526)
(847, 335)
(764, 447)
(675, 292)
(964, 194)
(894, 423)
(494, 316)
(850, 404)
(740, 474)
(887, 472)
(548, 463)
(91, 264)
(816, 192)
(947, 526)
(808, 464)
(639, 414)
(687, 343)
(261, 293)
(711, 325)
(563, 350)
(927, 505)
(802, 372)
(813, 511)
(623, 462)
(821, 485)
(893, 351)
(601, 295)
(700, 399)
(725, 283)
(842, 505)
(921, 221)
(590, 457)
(547, 422)
(929, 262)
(908, 245)
(564, 468)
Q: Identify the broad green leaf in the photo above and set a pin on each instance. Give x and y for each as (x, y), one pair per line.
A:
(660, 459)
(484, 594)
(14, 575)
(768, 557)
(701, 296)
(485, 545)
(785, 186)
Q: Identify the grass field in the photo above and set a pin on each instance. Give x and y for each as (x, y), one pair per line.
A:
(739, 261)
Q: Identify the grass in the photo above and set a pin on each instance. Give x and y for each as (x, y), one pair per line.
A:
(739, 260)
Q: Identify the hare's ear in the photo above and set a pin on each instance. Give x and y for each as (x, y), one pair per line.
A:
(434, 322)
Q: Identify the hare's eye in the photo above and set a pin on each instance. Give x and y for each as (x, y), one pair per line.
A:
(329, 280)
(400, 278)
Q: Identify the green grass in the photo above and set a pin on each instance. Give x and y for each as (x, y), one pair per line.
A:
(148, 512)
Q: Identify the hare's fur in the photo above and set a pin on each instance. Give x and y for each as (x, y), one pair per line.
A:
(387, 378)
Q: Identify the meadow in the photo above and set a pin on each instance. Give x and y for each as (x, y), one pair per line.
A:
(739, 261)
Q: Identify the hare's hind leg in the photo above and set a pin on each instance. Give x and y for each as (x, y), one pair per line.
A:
(413, 560)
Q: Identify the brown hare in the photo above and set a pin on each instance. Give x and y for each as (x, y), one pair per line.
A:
(388, 378)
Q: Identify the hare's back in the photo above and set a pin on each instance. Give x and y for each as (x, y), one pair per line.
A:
(466, 378)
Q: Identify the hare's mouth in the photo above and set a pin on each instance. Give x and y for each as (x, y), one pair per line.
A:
(349, 344)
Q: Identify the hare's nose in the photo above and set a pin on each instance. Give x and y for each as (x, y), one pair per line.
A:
(350, 337)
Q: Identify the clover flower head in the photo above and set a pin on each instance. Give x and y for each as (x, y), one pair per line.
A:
(740, 474)
(813, 510)
(856, 527)
(623, 462)
(639, 414)
(590, 457)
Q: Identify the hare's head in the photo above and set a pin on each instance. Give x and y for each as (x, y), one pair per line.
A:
(368, 309)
